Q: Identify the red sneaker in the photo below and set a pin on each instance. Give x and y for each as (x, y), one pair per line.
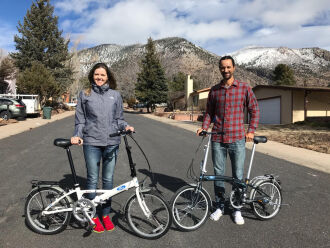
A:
(109, 226)
(98, 227)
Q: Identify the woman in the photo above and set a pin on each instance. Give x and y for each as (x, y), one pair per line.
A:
(99, 112)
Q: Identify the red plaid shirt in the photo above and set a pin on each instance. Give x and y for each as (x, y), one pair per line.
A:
(225, 108)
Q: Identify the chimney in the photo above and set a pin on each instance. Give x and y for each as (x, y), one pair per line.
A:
(189, 88)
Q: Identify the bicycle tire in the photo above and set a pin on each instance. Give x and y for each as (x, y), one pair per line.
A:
(36, 202)
(155, 226)
(189, 208)
(266, 200)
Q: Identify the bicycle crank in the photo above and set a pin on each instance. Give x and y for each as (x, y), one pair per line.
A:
(84, 210)
(235, 199)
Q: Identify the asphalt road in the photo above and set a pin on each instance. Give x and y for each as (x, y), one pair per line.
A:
(31, 155)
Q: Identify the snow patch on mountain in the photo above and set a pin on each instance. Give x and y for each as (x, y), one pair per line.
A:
(268, 57)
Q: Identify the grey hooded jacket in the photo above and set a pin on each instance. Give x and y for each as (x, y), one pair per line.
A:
(98, 115)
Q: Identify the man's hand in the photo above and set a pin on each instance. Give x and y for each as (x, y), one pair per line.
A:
(76, 140)
(249, 137)
(199, 131)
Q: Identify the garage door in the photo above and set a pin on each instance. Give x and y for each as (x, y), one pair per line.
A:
(270, 111)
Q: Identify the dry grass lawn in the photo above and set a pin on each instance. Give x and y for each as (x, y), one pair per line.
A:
(311, 137)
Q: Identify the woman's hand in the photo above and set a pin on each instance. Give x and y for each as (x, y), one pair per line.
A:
(76, 141)
(129, 128)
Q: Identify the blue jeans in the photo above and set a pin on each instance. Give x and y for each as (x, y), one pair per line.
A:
(93, 155)
(236, 151)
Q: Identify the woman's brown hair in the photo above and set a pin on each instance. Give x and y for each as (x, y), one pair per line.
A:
(111, 78)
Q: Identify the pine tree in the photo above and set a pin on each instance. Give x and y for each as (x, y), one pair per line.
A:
(283, 75)
(151, 84)
(40, 40)
(177, 84)
(38, 80)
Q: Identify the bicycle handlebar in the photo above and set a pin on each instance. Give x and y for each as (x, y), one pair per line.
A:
(121, 132)
(204, 133)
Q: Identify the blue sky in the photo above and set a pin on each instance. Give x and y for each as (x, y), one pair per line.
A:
(220, 26)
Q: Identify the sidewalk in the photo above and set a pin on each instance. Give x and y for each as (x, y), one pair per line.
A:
(30, 123)
(315, 160)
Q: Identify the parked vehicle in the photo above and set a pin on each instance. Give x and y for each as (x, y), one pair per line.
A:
(12, 108)
(31, 102)
(139, 105)
(71, 104)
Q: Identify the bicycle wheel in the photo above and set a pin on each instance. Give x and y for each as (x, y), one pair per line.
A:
(157, 224)
(36, 202)
(266, 200)
(190, 208)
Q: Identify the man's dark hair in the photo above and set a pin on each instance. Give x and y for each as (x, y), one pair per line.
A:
(227, 57)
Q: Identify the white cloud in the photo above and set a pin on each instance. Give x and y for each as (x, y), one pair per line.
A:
(126, 22)
(282, 13)
(78, 6)
(135, 20)
(217, 25)
(214, 30)
(315, 36)
(295, 14)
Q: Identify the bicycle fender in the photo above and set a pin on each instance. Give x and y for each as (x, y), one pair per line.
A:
(272, 180)
(141, 191)
(268, 177)
(195, 185)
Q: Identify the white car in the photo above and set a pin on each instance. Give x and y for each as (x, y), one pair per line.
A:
(71, 104)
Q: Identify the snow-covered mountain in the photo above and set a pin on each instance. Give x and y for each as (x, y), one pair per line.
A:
(314, 59)
(176, 55)
(311, 66)
(255, 64)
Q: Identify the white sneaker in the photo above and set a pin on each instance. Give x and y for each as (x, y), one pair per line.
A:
(215, 216)
(238, 218)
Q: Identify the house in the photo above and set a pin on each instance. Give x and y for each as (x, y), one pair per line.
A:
(190, 99)
(288, 104)
(278, 104)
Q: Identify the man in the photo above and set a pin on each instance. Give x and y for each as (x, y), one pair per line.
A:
(225, 108)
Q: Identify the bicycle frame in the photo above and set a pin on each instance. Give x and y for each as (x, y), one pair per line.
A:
(102, 195)
(231, 180)
(244, 185)
(105, 194)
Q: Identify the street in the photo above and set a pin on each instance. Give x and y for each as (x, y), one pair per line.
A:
(304, 222)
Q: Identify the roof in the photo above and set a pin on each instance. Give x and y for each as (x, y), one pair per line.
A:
(197, 92)
(287, 87)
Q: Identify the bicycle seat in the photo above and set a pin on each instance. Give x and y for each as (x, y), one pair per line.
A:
(259, 139)
(64, 143)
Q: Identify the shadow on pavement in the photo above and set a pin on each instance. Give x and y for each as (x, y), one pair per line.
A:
(168, 182)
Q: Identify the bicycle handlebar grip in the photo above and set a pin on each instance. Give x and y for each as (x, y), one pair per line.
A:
(120, 132)
(114, 134)
(203, 133)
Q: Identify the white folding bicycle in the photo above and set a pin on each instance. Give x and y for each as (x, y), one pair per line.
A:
(49, 207)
